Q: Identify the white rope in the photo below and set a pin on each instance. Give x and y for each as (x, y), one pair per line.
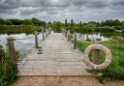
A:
(108, 60)
(27, 37)
(94, 66)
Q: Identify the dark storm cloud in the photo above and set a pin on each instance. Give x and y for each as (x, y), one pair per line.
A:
(117, 2)
(79, 10)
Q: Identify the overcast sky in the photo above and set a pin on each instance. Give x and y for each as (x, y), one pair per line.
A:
(59, 10)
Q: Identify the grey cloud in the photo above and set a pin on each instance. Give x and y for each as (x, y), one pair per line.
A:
(117, 2)
(79, 10)
(97, 4)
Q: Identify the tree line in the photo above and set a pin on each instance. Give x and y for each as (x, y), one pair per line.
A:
(36, 22)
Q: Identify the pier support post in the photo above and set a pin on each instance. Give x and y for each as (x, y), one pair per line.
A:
(46, 32)
(12, 50)
(36, 39)
(96, 52)
(43, 34)
(68, 35)
(75, 40)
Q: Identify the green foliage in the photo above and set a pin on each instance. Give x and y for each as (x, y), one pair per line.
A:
(116, 69)
(8, 22)
(103, 29)
(117, 27)
(7, 68)
(72, 23)
(57, 26)
(66, 23)
(19, 28)
(1, 21)
(16, 21)
(39, 50)
(27, 22)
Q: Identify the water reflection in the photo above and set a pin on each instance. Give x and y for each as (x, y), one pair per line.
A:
(24, 46)
(93, 36)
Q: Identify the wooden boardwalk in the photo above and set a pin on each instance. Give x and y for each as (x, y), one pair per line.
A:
(58, 58)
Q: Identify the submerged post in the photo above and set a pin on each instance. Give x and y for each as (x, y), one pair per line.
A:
(43, 34)
(96, 52)
(36, 39)
(75, 40)
(12, 50)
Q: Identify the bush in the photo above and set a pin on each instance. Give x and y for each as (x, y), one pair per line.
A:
(7, 68)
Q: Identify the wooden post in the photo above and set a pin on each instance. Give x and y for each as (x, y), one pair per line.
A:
(12, 50)
(75, 40)
(68, 35)
(36, 39)
(43, 34)
(96, 52)
(82, 37)
(46, 33)
(65, 33)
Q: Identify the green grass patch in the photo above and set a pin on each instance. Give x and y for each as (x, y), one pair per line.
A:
(116, 69)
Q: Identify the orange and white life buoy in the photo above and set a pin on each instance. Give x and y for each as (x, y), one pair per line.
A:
(106, 51)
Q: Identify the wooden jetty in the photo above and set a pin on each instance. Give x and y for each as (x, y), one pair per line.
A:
(58, 58)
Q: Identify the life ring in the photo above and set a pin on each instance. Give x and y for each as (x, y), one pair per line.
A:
(106, 51)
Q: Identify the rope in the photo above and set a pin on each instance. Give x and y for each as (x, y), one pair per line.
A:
(23, 38)
(27, 37)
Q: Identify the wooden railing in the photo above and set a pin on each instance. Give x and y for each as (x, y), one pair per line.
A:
(11, 46)
(74, 36)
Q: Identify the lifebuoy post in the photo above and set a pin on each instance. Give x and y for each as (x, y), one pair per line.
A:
(96, 52)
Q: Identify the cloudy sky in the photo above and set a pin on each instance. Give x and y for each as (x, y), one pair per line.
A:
(59, 10)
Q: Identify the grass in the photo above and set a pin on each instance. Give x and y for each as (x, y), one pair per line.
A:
(116, 69)
(39, 50)
(7, 68)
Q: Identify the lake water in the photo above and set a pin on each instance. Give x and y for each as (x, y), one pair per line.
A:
(24, 46)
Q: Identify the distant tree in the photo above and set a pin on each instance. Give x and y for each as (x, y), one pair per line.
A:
(42, 23)
(98, 24)
(16, 21)
(72, 23)
(27, 22)
(8, 22)
(35, 21)
(49, 23)
(81, 24)
(117, 22)
(1, 21)
(66, 23)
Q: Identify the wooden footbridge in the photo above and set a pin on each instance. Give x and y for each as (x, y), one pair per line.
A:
(58, 58)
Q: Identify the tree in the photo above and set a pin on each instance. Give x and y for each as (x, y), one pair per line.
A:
(66, 23)
(1, 21)
(42, 23)
(35, 21)
(27, 22)
(81, 24)
(8, 22)
(72, 23)
(16, 21)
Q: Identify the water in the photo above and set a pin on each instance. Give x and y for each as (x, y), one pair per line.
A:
(103, 36)
(24, 46)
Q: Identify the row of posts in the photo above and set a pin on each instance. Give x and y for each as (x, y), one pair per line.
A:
(11, 46)
(69, 36)
(96, 52)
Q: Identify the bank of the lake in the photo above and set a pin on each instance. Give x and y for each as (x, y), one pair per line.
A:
(18, 28)
(116, 70)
